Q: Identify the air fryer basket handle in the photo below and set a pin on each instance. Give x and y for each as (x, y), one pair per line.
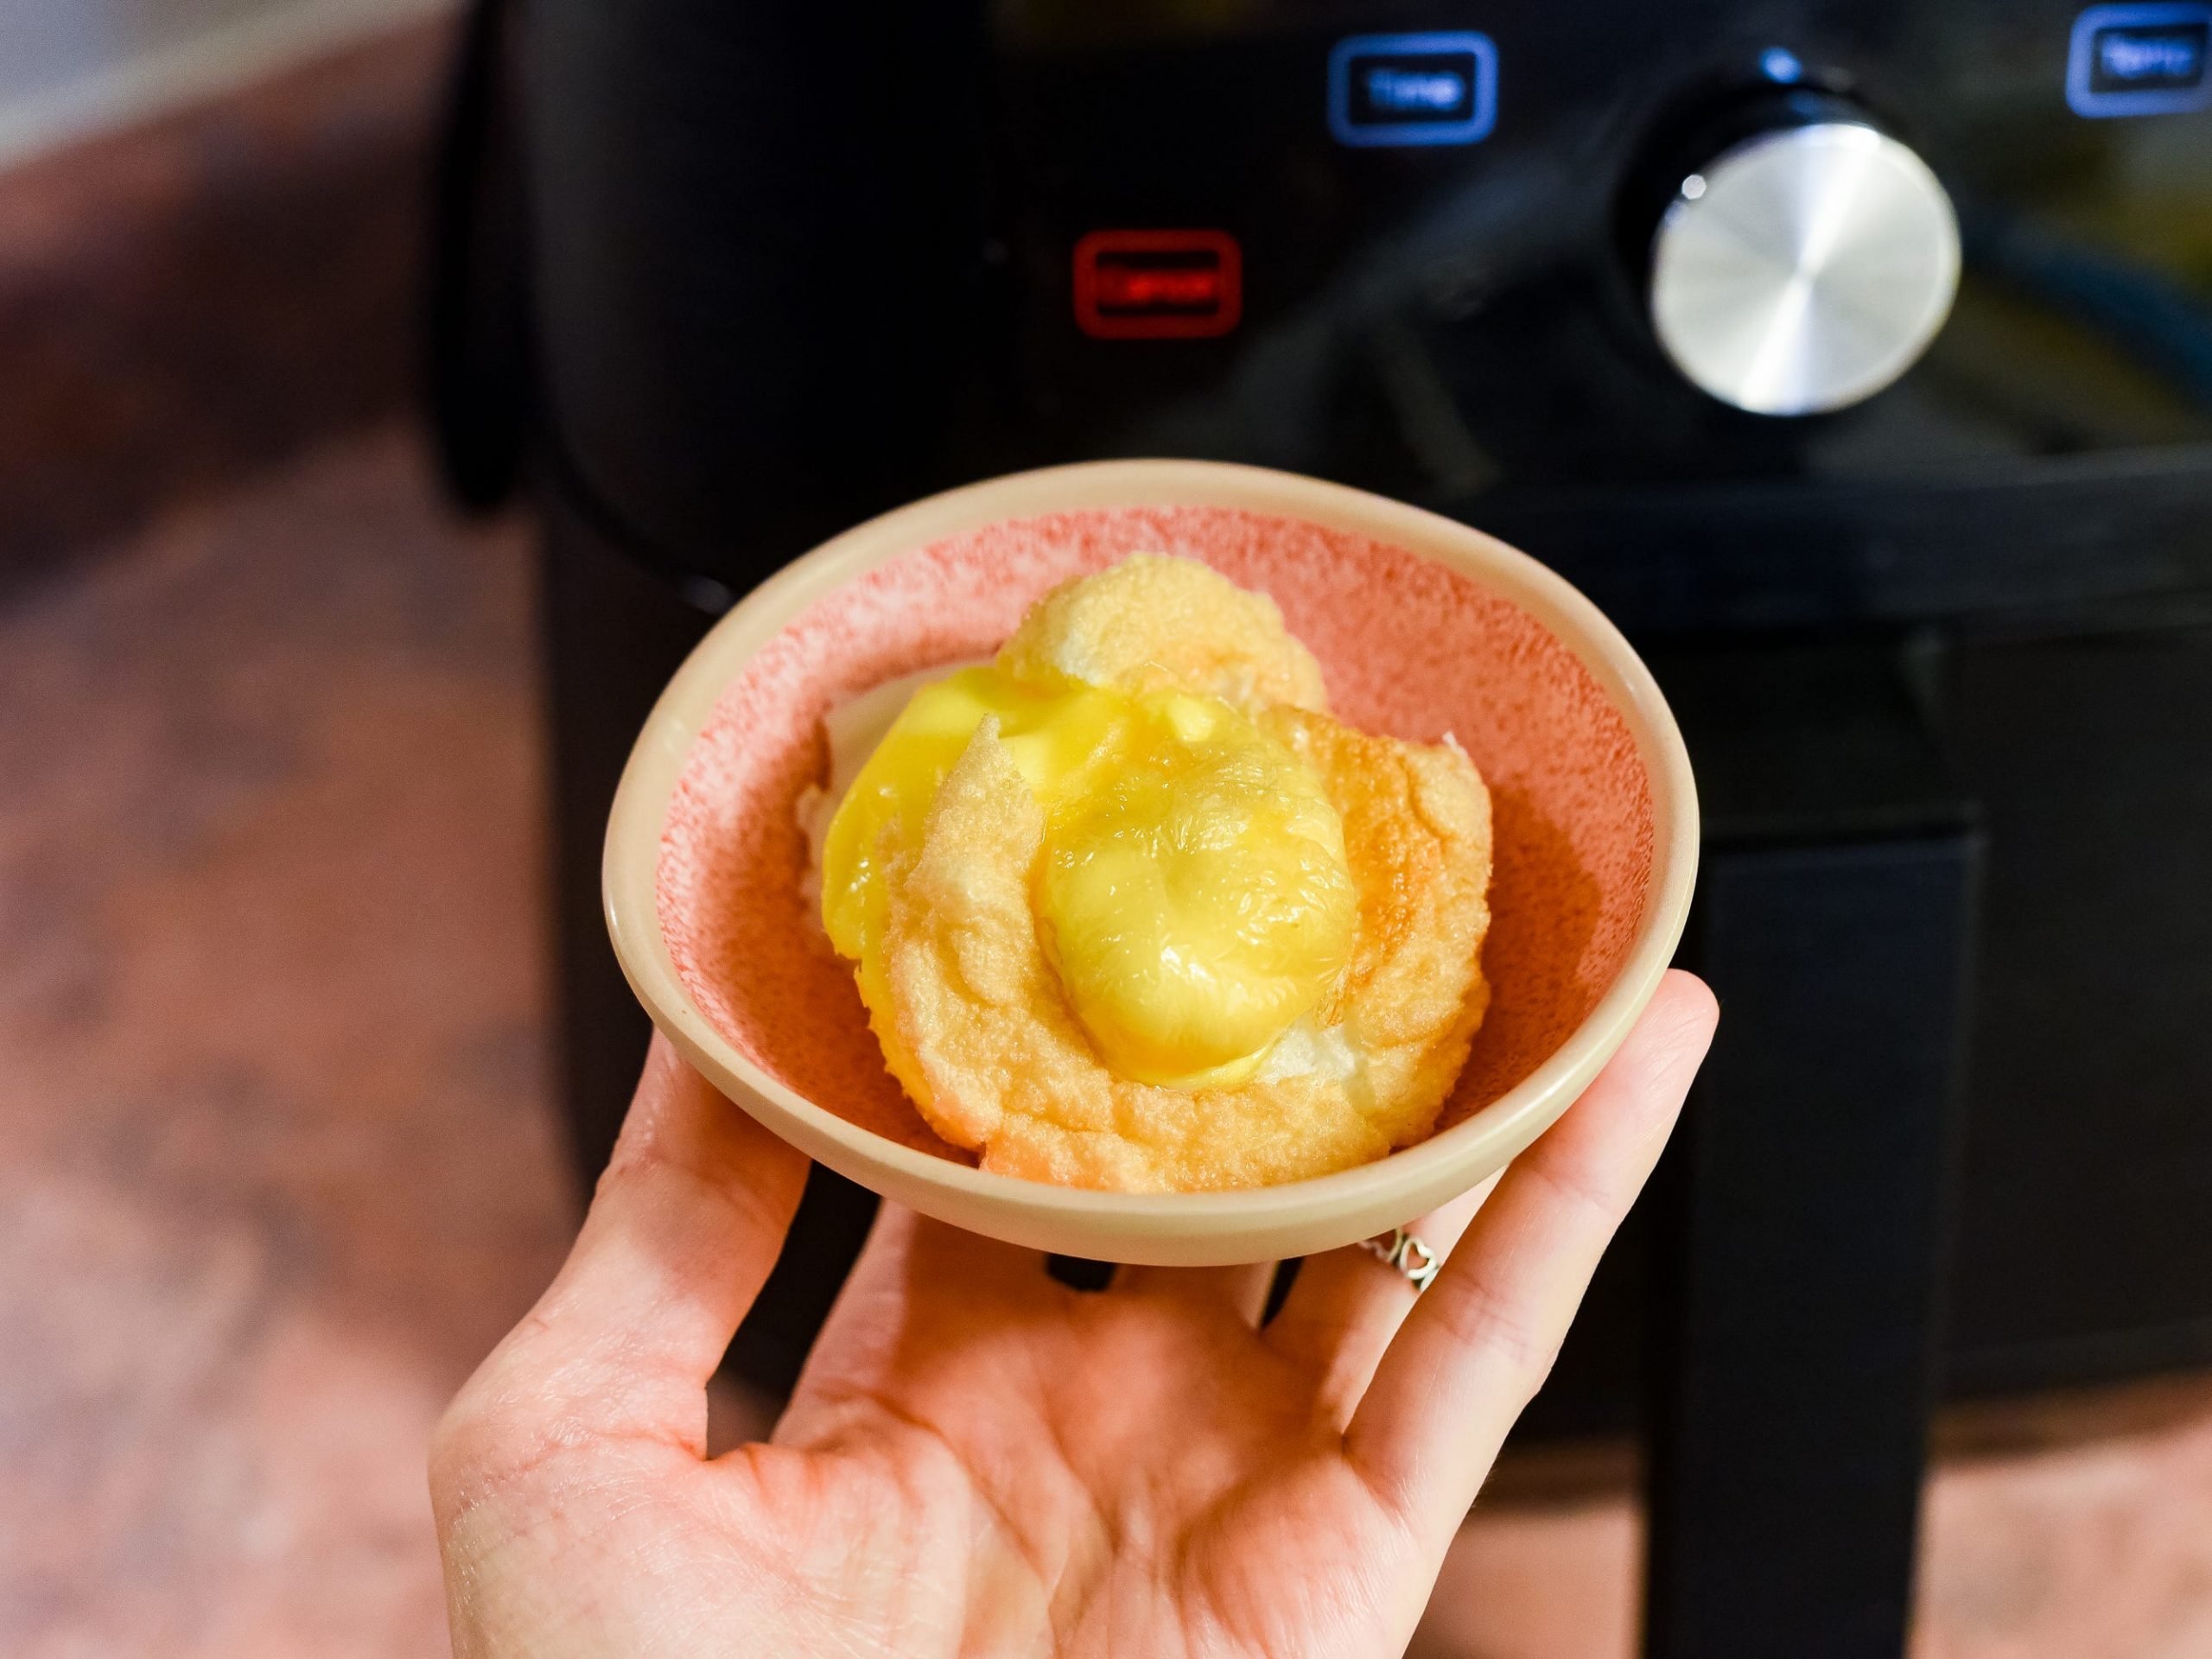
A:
(1807, 1197)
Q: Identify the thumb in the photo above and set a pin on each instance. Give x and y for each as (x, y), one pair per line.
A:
(686, 1223)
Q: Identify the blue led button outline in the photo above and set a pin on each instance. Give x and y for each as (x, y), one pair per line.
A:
(1482, 107)
(2160, 100)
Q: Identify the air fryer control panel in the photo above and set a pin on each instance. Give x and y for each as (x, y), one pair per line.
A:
(1851, 276)
(1448, 233)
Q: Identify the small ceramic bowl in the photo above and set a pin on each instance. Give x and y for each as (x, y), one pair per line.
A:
(1422, 628)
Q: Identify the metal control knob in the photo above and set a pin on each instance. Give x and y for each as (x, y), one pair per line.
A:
(1803, 269)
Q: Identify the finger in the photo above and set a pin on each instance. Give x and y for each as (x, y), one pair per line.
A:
(1477, 1347)
(1239, 1292)
(912, 1255)
(924, 1284)
(685, 1224)
(1346, 1306)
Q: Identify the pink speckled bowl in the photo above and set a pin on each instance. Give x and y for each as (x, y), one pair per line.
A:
(1422, 626)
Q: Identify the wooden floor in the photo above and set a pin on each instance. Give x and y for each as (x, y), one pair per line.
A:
(277, 1164)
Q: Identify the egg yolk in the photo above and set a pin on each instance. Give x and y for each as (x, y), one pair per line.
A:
(1192, 892)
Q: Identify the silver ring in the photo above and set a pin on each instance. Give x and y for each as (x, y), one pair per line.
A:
(1414, 1257)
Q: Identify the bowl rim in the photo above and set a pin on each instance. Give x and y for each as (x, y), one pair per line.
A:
(630, 865)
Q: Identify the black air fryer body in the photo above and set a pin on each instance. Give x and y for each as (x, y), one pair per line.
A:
(1944, 655)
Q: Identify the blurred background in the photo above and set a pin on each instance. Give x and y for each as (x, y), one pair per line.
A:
(307, 1044)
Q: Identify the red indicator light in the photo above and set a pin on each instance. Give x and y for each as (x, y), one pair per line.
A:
(1158, 284)
(1147, 287)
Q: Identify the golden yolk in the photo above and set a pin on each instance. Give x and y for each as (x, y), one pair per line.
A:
(1195, 896)
(1192, 893)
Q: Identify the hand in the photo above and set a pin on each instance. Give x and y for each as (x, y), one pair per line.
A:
(980, 1460)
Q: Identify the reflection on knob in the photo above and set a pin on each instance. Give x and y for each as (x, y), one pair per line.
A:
(1805, 269)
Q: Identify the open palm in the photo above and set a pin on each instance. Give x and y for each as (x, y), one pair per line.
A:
(981, 1460)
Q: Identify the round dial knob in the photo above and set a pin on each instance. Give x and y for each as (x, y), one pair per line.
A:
(1803, 269)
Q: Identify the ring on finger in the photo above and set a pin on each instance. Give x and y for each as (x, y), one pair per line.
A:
(1408, 1253)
